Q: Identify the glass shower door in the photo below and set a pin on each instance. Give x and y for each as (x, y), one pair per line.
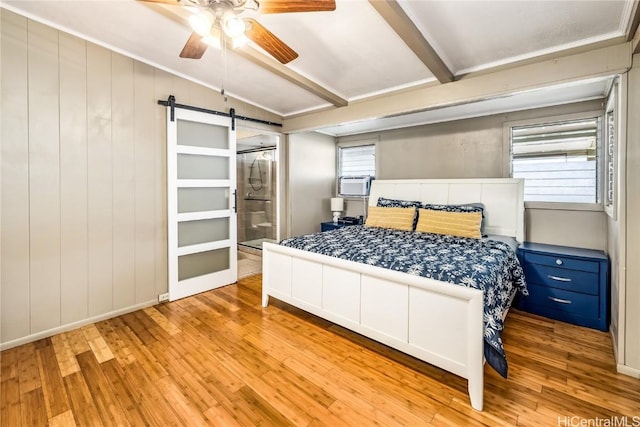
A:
(201, 182)
(257, 201)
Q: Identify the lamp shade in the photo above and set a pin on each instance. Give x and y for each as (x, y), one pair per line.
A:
(337, 204)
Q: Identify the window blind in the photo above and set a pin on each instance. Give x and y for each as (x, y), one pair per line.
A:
(558, 161)
(357, 161)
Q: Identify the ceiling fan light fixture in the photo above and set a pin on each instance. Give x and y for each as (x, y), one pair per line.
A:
(201, 23)
(213, 38)
(239, 41)
(233, 26)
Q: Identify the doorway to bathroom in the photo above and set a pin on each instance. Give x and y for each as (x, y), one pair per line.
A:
(257, 183)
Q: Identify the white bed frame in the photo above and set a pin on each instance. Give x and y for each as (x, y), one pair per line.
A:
(398, 309)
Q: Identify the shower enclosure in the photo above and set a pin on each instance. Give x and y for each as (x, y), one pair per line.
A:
(256, 197)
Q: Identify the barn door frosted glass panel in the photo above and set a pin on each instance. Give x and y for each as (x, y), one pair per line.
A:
(202, 199)
(202, 231)
(189, 133)
(193, 166)
(203, 263)
(202, 219)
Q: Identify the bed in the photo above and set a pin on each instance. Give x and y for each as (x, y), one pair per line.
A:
(399, 308)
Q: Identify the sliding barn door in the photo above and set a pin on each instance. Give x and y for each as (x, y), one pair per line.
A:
(201, 182)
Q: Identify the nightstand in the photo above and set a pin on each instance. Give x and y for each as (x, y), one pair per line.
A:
(567, 284)
(330, 225)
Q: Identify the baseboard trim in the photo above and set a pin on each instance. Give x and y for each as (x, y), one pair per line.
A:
(627, 370)
(74, 325)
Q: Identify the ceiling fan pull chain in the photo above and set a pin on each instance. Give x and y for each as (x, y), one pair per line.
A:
(223, 56)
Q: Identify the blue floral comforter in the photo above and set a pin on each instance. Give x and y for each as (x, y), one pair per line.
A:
(488, 265)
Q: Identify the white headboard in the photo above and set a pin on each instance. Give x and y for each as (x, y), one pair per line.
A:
(503, 198)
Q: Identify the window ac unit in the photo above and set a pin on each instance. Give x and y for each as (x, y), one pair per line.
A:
(354, 185)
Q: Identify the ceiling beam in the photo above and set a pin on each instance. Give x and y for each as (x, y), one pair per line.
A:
(635, 20)
(396, 17)
(598, 63)
(275, 67)
(633, 28)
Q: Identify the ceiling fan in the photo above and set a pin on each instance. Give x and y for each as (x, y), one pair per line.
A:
(216, 22)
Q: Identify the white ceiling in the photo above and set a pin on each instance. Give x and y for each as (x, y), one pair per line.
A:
(353, 52)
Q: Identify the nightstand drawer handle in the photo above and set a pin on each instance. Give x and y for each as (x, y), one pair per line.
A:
(561, 301)
(559, 261)
(559, 279)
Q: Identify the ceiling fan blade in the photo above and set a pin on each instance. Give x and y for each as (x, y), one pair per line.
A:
(287, 6)
(269, 42)
(194, 48)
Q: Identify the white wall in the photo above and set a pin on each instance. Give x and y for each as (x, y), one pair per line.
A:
(83, 178)
(311, 181)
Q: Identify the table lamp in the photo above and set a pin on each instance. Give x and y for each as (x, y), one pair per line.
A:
(337, 206)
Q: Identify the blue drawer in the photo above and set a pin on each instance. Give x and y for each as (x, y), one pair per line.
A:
(562, 278)
(571, 307)
(563, 262)
(566, 283)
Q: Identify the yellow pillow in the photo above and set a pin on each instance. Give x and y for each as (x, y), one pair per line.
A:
(462, 224)
(396, 218)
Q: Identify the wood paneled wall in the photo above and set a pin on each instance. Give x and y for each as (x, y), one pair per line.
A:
(83, 184)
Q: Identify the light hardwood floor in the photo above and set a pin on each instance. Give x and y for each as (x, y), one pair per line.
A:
(218, 358)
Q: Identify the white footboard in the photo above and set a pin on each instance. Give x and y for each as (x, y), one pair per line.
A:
(437, 322)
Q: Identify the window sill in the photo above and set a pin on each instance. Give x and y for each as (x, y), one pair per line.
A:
(559, 206)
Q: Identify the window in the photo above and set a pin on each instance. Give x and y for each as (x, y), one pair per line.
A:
(357, 161)
(558, 160)
(610, 153)
(610, 171)
(356, 169)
